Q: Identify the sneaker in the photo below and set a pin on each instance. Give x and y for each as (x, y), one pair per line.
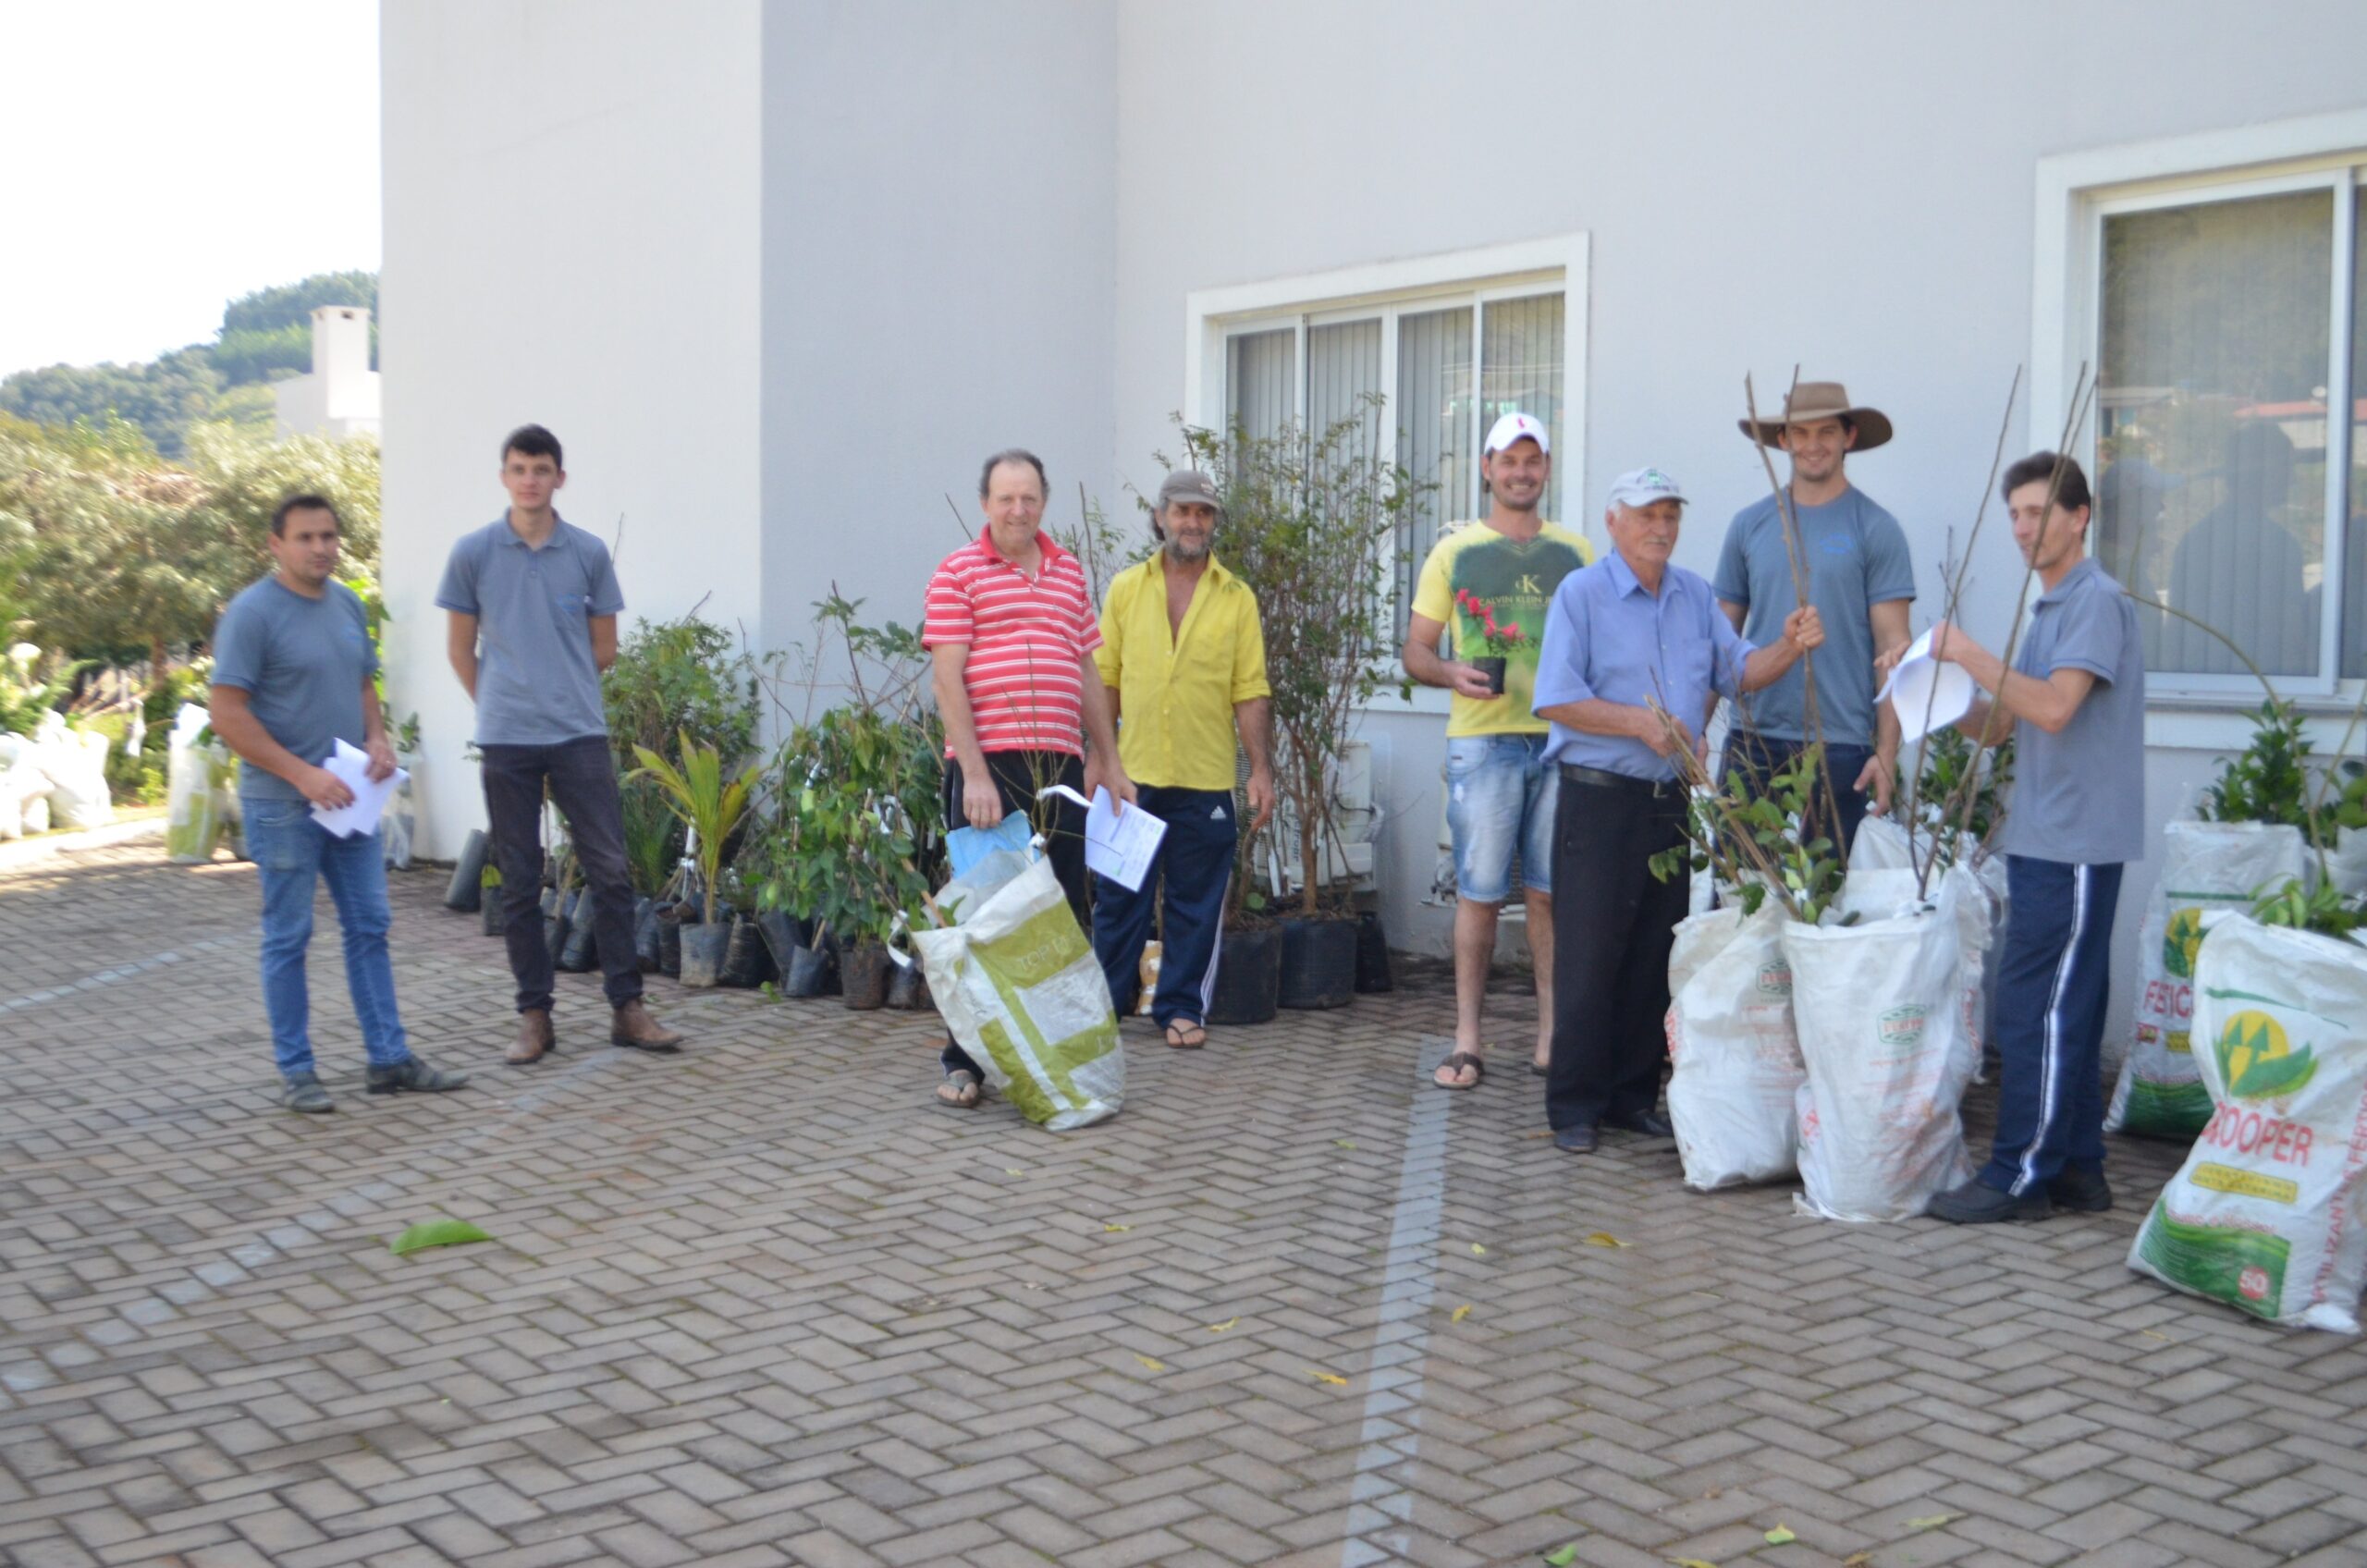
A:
(1974, 1203)
(303, 1091)
(2080, 1191)
(412, 1075)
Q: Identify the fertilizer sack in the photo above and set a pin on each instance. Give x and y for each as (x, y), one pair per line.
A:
(1734, 1055)
(194, 771)
(1887, 1012)
(2205, 866)
(2265, 1213)
(1018, 986)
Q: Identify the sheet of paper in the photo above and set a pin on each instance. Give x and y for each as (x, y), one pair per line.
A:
(1119, 844)
(352, 764)
(1928, 694)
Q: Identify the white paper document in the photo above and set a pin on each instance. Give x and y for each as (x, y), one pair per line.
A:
(1119, 844)
(1928, 694)
(352, 764)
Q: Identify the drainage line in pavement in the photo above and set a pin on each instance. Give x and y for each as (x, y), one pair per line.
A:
(1391, 1433)
(128, 970)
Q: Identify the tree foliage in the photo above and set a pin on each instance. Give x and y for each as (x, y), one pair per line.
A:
(129, 554)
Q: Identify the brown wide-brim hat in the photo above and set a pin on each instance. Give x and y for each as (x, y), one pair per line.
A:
(1822, 400)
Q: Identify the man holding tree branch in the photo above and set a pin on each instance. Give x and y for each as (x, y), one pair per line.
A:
(2074, 701)
(1635, 648)
(1854, 557)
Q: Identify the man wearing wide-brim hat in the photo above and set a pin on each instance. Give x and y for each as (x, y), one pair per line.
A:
(1860, 579)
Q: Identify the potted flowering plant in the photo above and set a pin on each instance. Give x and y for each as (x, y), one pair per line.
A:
(1500, 640)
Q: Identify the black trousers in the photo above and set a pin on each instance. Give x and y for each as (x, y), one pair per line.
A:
(582, 778)
(1614, 923)
(1017, 776)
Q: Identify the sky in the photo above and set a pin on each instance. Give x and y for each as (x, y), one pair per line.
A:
(167, 157)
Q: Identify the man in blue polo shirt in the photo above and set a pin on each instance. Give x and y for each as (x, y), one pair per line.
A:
(293, 674)
(1631, 631)
(532, 601)
(2076, 699)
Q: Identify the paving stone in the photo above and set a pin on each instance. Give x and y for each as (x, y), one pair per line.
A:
(733, 1320)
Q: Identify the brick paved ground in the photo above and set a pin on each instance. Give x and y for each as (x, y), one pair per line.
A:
(764, 1306)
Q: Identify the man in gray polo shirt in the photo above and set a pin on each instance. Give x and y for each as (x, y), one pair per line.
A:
(2076, 697)
(532, 601)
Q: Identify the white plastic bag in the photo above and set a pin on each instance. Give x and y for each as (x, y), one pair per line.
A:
(1886, 1013)
(1734, 1055)
(2205, 866)
(2347, 863)
(76, 762)
(1017, 983)
(400, 826)
(2265, 1213)
(192, 823)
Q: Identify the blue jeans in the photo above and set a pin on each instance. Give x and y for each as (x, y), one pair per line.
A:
(1500, 797)
(292, 852)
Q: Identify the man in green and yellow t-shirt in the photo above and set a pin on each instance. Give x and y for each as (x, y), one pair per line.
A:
(1491, 582)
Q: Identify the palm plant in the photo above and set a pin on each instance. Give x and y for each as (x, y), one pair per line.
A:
(698, 796)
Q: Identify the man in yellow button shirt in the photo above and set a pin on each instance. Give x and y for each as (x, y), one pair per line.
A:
(1184, 661)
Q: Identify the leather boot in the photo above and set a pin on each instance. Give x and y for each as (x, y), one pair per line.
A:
(536, 1037)
(635, 1028)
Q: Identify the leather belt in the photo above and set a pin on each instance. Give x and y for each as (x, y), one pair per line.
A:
(1603, 778)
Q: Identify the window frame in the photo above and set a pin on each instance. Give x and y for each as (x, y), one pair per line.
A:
(1387, 290)
(2076, 192)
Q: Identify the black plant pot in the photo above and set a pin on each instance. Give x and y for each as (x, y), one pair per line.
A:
(702, 952)
(746, 965)
(647, 938)
(908, 989)
(1373, 973)
(1249, 976)
(554, 922)
(466, 891)
(783, 934)
(581, 953)
(812, 972)
(489, 910)
(1493, 668)
(1319, 963)
(863, 974)
(669, 942)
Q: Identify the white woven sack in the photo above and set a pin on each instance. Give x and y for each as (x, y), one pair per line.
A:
(1886, 1012)
(2264, 1214)
(1018, 986)
(1734, 1055)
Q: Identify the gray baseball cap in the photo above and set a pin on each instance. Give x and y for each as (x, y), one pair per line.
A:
(1189, 485)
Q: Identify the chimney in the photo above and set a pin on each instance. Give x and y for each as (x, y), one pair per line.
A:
(340, 353)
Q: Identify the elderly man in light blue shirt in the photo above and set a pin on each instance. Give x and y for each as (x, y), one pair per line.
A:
(1636, 654)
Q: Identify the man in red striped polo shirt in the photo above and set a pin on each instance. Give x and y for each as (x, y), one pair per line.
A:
(1010, 629)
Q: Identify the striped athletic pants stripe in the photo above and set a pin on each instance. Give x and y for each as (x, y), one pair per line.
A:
(2052, 985)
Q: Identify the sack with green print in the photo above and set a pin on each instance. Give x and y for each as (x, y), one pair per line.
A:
(1017, 982)
(2264, 1214)
(2205, 866)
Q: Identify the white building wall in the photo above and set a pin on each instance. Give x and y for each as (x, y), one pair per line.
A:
(1851, 192)
(573, 200)
(939, 245)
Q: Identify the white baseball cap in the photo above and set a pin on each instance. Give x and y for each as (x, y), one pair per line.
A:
(1642, 487)
(1512, 428)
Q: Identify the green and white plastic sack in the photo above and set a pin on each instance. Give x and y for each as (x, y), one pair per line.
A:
(2264, 1214)
(1734, 1054)
(2205, 866)
(1017, 982)
(196, 789)
(1887, 1012)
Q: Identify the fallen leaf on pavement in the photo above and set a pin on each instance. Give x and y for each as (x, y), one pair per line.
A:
(1781, 1536)
(1478, 1251)
(1603, 1239)
(1691, 1562)
(1345, 1142)
(1857, 1560)
(1221, 1328)
(1932, 1522)
(1332, 1377)
(1013, 1171)
(1562, 1555)
(1149, 1364)
(1117, 1227)
(1459, 1313)
(435, 1234)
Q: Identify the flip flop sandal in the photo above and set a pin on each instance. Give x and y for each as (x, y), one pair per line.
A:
(1457, 1063)
(966, 1079)
(1179, 1027)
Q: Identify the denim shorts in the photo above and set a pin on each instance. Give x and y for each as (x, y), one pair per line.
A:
(1500, 795)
